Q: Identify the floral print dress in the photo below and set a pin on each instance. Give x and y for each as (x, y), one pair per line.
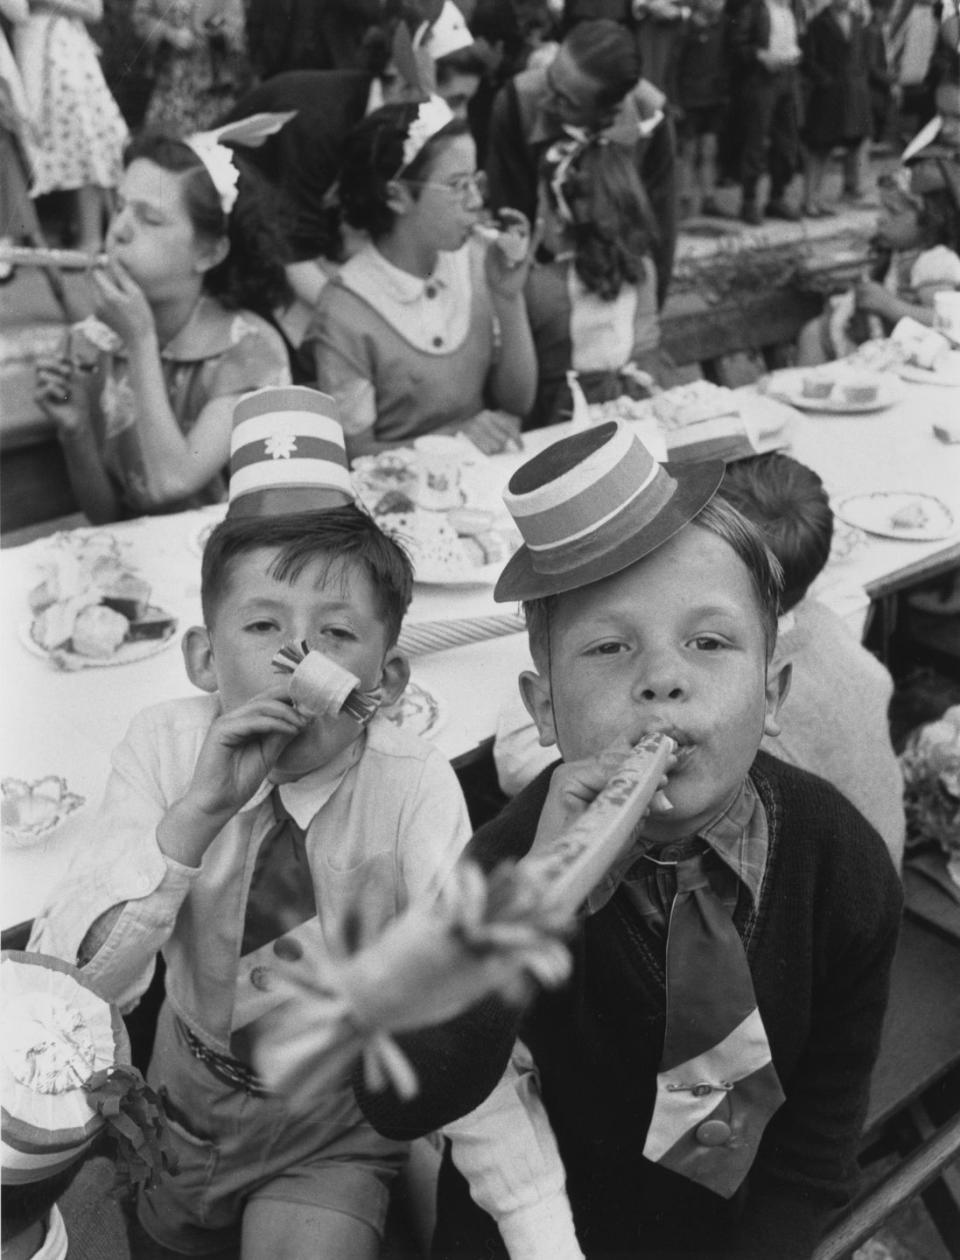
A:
(78, 131)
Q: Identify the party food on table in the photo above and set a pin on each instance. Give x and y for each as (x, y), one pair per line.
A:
(32, 809)
(902, 514)
(431, 499)
(694, 403)
(910, 515)
(859, 391)
(846, 387)
(90, 605)
(817, 386)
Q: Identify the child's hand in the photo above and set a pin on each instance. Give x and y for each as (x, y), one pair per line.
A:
(576, 784)
(121, 303)
(240, 749)
(508, 260)
(56, 396)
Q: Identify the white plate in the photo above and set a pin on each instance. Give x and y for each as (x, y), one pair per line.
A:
(846, 540)
(417, 711)
(31, 810)
(788, 387)
(126, 653)
(875, 512)
(949, 375)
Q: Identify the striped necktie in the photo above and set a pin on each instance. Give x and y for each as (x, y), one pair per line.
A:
(717, 1087)
(281, 888)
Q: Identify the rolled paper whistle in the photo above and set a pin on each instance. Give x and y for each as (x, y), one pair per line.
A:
(320, 687)
(513, 244)
(571, 865)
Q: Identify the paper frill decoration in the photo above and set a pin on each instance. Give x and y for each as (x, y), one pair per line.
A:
(433, 114)
(926, 135)
(211, 148)
(320, 686)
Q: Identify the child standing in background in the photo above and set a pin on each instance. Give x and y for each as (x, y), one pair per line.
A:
(593, 307)
(838, 108)
(79, 132)
(703, 89)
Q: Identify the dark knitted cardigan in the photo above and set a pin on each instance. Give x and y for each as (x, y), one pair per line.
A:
(820, 945)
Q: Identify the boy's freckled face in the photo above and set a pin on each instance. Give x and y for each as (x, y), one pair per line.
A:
(674, 643)
(331, 606)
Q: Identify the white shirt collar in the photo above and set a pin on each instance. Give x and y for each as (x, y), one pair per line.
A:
(369, 269)
(304, 798)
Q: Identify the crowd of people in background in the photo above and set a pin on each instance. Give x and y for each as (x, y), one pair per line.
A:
(460, 219)
(351, 243)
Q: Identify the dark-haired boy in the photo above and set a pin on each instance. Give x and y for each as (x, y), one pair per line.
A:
(706, 1070)
(248, 841)
(835, 718)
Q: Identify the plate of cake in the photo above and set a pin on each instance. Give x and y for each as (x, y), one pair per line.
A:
(91, 608)
(701, 420)
(439, 503)
(835, 389)
(903, 514)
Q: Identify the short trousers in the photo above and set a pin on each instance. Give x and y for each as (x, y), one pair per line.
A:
(233, 1148)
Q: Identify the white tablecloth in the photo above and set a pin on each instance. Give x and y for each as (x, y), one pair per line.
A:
(65, 724)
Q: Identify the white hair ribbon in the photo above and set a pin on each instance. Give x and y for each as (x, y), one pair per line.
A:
(217, 159)
(433, 114)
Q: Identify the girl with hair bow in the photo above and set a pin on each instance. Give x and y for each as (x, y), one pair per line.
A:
(425, 329)
(142, 394)
(593, 308)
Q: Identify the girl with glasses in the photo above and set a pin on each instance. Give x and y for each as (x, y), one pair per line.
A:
(425, 329)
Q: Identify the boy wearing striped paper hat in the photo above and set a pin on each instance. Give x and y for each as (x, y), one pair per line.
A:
(706, 1071)
(257, 834)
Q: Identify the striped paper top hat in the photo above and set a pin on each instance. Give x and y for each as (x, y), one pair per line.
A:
(593, 504)
(287, 453)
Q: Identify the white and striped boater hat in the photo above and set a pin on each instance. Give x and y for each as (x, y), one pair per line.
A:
(287, 453)
(591, 505)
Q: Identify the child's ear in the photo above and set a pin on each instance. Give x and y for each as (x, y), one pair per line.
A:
(778, 685)
(395, 675)
(212, 254)
(398, 197)
(535, 694)
(198, 658)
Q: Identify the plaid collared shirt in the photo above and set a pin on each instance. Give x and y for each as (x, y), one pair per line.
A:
(736, 846)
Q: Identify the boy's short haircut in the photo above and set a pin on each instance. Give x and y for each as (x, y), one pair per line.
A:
(719, 517)
(341, 534)
(606, 51)
(787, 502)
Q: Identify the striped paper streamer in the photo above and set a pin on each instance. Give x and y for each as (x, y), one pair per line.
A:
(421, 637)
